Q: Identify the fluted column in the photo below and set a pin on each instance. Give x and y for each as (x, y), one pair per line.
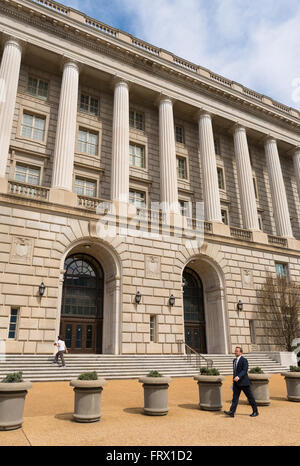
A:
(66, 128)
(167, 153)
(296, 160)
(278, 192)
(9, 78)
(245, 179)
(211, 196)
(120, 143)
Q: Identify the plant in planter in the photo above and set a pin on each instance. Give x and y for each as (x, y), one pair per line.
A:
(292, 379)
(13, 391)
(260, 386)
(209, 384)
(155, 393)
(87, 403)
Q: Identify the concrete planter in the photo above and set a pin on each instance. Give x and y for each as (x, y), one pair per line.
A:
(87, 402)
(292, 380)
(155, 395)
(12, 401)
(210, 392)
(260, 388)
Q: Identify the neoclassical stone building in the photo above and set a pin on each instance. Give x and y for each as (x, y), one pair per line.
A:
(100, 128)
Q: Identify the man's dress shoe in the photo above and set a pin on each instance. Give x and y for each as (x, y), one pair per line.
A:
(254, 414)
(229, 413)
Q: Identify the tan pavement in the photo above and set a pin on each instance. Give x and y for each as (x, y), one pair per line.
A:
(49, 406)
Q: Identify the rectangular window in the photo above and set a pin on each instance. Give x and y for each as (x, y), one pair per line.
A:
(89, 104)
(33, 127)
(85, 187)
(281, 270)
(181, 168)
(224, 215)
(37, 87)
(136, 120)
(255, 187)
(137, 198)
(136, 156)
(252, 331)
(179, 134)
(217, 146)
(221, 180)
(260, 222)
(27, 174)
(152, 328)
(14, 314)
(184, 208)
(87, 142)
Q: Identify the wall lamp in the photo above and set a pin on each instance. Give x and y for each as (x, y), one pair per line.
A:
(138, 297)
(42, 289)
(239, 305)
(172, 300)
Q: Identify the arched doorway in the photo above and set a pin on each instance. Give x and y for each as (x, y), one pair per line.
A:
(82, 304)
(194, 316)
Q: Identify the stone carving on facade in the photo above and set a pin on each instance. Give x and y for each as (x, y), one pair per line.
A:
(247, 278)
(21, 251)
(152, 266)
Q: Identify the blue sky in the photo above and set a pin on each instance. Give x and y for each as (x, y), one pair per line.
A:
(254, 42)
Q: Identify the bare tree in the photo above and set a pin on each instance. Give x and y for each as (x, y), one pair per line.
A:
(280, 301)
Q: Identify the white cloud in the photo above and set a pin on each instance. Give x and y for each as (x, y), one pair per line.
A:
(254, 42)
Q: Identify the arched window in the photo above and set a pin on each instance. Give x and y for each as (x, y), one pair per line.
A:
(83, 287)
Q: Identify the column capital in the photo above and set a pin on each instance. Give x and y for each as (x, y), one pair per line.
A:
(70, 62)
(120, 81)
(11, 40)
(164, 97)
(269, 138)
(202, 112)
(238, 126)
(294, 150)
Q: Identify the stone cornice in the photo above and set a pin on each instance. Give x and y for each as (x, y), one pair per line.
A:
(77, 27)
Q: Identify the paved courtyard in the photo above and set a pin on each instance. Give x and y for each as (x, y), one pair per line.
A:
(49, 406)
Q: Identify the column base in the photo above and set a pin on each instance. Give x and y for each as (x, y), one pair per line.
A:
(3, 185)
(219, 228)
(259, 237)
(63, 197)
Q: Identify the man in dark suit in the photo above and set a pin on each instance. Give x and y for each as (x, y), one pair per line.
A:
(241, 382)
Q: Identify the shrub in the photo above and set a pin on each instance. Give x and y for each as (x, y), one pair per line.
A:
(294, 369)
(15, 377)
(154, 374)
(88, 376)
(209, 371)
(256, 370)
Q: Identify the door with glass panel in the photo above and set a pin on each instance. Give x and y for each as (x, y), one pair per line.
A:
(194, 317)
(82, 304)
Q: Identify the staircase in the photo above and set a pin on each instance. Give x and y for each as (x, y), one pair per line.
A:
(39, 368)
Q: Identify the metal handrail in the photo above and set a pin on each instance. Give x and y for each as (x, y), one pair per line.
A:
(199, 357)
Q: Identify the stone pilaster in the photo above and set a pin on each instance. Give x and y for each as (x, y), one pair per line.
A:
(245, 179)
(120, 144)
(9, 78)
(62, 178)
(278, 192)
(167, 153)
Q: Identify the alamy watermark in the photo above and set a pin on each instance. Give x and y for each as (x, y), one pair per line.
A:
(159, 221)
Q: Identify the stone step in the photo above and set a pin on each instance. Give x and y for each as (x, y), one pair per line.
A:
(39, 367)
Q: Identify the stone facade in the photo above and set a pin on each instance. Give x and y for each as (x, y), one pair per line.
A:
(43, 224)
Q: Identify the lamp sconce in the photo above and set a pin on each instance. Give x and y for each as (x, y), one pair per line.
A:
(239, 305)
(172, 300)
(138, 297)
(42, 289)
